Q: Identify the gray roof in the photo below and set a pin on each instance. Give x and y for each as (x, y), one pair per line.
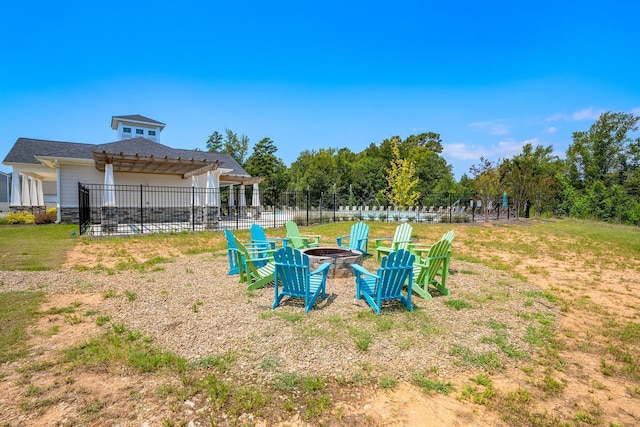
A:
(138, 118)
(25, 150)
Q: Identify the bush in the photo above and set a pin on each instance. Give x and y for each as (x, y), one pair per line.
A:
(21, 217)
(48, 217)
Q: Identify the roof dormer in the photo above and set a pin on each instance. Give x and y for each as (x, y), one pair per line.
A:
(135, 126)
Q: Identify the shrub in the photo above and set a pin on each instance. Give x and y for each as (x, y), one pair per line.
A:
(21, 217)
(48, 217)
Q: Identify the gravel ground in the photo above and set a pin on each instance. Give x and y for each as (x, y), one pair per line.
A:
(192, 307)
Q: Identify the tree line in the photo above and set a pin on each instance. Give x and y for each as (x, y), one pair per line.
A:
(599, 178)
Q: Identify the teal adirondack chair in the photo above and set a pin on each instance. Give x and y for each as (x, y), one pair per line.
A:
(258, 236)
(400, 240)
(232, 253)
(358, 239)
(299, 241)
(294, 278)
(387, 284)
(426, 270)
(257, 265)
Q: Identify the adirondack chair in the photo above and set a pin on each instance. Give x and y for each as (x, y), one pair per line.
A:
(425, 270)
(419, 249)
(232, 253)
(299, 241)
(400, 240)
(250, 258)
(296, 278)
(396, 270)
(258, 236)
(358, 239)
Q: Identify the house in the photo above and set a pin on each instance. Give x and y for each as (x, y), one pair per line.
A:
(5, 194)
(51, 174)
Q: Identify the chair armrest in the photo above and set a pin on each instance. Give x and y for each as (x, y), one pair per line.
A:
(321, 269)
(340, 238)
(379, 240)
(362, 270)
(419, 248)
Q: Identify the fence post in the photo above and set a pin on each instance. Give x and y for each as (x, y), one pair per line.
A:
(141, 213)
(307, 206)
(275, 205)
(450, 211)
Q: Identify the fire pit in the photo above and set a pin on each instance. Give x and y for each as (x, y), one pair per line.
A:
(340, 259)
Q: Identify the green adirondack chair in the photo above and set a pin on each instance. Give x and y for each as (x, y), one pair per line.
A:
(419, 249)
(299, 241)
(250, 258)
(297, 279)
(358, 239)
(426, 270)
(400, 240)
(387, 284)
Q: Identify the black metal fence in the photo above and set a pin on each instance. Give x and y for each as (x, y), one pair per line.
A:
(138, 209)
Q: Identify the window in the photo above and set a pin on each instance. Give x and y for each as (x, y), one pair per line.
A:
(126, 130)
(152, 133)
(139, 132)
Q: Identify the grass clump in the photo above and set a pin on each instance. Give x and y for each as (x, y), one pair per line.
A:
(17, 311)
(118, 346)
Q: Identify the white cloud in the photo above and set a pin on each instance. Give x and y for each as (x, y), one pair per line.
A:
(495, 127)
(551, 129)
(588, 113)
(500, 150)
(635, 111)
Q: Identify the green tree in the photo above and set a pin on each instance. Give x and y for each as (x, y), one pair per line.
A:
(531, 176)
(215, 143)
(263, 162)
(599, 154)
(486, 183)
(401, 181)
(236, 147)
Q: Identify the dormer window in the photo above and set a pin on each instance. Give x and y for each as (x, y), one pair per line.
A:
(126, 130)
(152, 133)
(139, 132)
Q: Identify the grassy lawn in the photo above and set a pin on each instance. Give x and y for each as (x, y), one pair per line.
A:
(35, 247)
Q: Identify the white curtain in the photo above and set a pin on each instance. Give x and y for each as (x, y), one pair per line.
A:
(255, 197)
(109, 188)
(16, 196)
(232, 200)
(39, 192)
(216, 188)
(208, 199)
(26, 197)
(194, 185)
(242, 201)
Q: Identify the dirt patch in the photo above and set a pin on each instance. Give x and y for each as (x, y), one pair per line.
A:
(595, 289)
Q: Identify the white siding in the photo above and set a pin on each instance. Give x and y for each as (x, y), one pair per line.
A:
(72, 174)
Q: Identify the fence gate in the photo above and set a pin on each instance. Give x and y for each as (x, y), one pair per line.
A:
(85, 208)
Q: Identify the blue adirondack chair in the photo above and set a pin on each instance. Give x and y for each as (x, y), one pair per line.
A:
(387, 283)
(232, 253)
(293, 274)
(358, 239)
(258, 236)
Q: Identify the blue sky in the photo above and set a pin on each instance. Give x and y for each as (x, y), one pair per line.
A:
(487, 76)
